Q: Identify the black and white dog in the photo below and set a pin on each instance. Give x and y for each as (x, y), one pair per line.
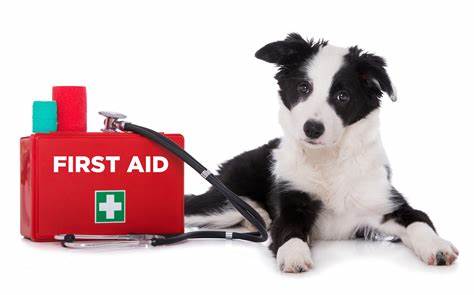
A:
(328, 177)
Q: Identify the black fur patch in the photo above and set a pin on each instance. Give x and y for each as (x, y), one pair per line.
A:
(405, 214)
(294, 213)
(288, 89)
(247, 174)
(388, 169)
(291, 52)
(290, 55)
(357, 78)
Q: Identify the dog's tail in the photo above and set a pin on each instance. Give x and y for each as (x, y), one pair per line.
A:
(212, 210)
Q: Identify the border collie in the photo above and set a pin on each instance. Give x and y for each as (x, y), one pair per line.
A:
(328, 177)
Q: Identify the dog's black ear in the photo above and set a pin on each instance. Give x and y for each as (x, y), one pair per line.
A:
(291, 50)
(372, 71)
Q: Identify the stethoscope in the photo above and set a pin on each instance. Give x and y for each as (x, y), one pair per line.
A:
(114, 123)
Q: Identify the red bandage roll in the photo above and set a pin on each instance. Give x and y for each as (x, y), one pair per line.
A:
(72, 107)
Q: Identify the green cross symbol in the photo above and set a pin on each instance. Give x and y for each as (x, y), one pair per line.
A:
(110, 206)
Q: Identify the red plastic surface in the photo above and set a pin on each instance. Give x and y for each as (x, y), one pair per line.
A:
(72, 108)
(64, 202)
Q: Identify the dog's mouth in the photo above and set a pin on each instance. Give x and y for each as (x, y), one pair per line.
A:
(313, 143)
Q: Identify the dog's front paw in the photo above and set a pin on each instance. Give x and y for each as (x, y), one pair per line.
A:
(431, 248)
(294, 256)
(438, 252)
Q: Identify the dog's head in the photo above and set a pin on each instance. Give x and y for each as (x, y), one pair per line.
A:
(324, 88)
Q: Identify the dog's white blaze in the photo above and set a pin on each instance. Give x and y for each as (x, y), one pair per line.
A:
(322, 68)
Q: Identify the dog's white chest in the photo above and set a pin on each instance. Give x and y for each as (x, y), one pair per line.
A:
(354, 190)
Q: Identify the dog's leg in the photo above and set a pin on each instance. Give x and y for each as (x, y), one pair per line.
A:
(296, 213)
(416, 231)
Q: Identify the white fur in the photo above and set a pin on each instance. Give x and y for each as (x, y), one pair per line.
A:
(225, 219)
(294, 256)
(349, 177)
(228, 217)
(424, 242)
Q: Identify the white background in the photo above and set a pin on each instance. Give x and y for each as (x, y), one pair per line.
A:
(188, 67)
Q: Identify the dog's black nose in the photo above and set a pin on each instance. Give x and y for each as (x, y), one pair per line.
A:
(313, 129)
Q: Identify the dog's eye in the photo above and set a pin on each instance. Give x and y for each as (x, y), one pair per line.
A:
(304, 88)
(342, 97)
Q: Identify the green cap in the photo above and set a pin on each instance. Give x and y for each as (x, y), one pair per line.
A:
(45, 116)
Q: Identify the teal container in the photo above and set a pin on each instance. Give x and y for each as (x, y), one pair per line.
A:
(45, 116)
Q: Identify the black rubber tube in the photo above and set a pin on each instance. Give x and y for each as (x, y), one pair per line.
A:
(240, 205)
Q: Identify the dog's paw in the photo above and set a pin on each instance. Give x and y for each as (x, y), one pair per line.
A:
(294, 256)
(438, 252)
(432, 249)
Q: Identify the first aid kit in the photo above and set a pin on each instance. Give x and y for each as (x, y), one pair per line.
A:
(123, 186)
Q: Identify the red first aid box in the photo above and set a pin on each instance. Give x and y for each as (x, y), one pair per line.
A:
(99, 183)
